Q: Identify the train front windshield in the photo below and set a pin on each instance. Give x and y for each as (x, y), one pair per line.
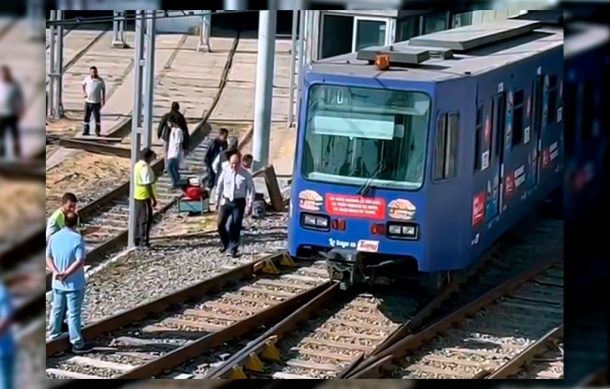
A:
(356, 134)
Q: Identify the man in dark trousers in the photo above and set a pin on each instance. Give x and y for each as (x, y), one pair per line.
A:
(163, 130)
(94, 91)
(145, 196)
(236, 187)
(218, 146)
(12, 109)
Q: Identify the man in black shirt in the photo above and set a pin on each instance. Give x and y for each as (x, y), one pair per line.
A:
(218, 146)
(163, 130)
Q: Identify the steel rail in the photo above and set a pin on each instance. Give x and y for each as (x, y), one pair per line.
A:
(193, 349)
(516, 364)
(264, 345)
(384, 360)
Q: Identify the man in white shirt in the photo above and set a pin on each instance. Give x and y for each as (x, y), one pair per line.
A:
(94, 90)
(175, 151)
(11, 110)
(236, 187)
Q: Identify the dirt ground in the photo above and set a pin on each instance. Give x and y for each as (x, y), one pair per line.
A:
(21, 205)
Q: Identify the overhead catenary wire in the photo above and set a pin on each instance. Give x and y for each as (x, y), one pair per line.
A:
(160, 14)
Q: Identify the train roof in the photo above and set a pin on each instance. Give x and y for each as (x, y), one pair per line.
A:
(449, 54)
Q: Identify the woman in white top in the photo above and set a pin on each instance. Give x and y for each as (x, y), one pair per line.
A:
(175, 153)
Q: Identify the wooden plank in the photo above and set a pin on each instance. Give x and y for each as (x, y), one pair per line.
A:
(108, 139)
(350, 334)
(542, 280)
(287, 376)
(195, 324)
(71, 374)
(212, 315)
(275, 195)
(546, 299)
(182, 376)
(100, 364)
(258, 300)
(341, 345)
(98, 148)
(236, 308)
(366, 326)
(280, 284)
(303, 278)
(302, 364)
(278, 293)
(131, 341)
(462, 362)
(439, 371)
(133, 354)
(483, 353)
(323, 354)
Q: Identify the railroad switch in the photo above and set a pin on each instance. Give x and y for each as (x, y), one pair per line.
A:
(270, 351)
(254, 363)
(237, 373)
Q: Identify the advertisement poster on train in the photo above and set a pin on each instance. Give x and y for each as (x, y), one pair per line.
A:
(491, 208)
(478, 209)
(310, 200)
(355, 206)
(401, 209)
(545, 158)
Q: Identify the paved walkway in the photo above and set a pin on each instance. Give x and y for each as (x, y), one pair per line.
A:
(23, 56)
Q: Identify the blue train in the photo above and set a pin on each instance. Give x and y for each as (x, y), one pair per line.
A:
(414, 158)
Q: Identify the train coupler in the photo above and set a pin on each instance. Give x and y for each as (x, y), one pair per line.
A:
(345, 266)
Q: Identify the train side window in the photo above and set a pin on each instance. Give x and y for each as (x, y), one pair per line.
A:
(518, 118)
(477, 139)
(552, 113)
(446, 146)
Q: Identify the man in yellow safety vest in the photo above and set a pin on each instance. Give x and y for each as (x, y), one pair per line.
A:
(145, 197)
(57, 220)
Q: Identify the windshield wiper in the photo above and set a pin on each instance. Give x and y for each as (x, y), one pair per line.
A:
(366, 187)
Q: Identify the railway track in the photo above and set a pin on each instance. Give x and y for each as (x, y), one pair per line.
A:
(105, 220)
(333, 335)
(160, 335)
(490, 337)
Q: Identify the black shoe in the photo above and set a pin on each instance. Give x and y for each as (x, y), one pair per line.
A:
(222, 250)
(64, 327)
(85, 134)
(234, 254)
(87, 348)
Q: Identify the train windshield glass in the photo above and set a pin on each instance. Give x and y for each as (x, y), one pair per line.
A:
(352, 131)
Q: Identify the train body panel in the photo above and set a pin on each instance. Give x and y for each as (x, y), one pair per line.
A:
(427, 164)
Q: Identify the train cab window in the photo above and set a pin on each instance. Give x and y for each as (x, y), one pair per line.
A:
(478, 139)
(518, 107)
(446, 146)
(553, 97)
(356, 135)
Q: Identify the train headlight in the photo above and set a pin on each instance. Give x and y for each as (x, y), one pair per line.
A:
(394, 229)
(315, 222)
(403, 231)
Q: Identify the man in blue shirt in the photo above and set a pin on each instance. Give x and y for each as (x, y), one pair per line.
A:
(66, 259)
(7, 342)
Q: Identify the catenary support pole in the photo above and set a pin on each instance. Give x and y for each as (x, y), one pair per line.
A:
(293, 56)
(137, 117)
(205, 32)
(301, 58)
(51, 67)
(149, 77)
(264, 87)
(235, 5)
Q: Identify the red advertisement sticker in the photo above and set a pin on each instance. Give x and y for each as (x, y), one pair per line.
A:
(545, 158)
(355, 206)
(478, 208)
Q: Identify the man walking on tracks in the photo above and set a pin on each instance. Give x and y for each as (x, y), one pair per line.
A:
(163, 131)
(94, 90)
(218, 146)
(145, 197)
(11, 110)
(66, 258)
(236, 187)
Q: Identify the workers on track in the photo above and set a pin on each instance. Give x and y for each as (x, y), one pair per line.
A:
(145, 197)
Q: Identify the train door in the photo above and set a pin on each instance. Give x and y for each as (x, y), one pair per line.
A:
(537, 96)
(498, 112)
